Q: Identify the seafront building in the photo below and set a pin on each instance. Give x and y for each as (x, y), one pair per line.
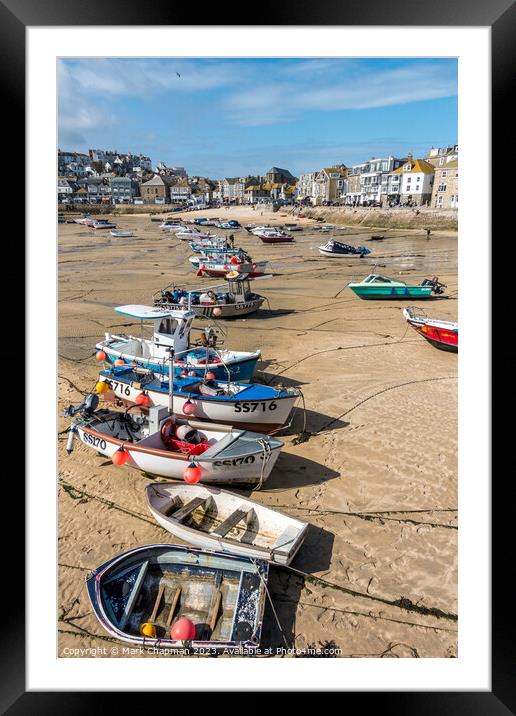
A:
(107, 176)
(416, 182)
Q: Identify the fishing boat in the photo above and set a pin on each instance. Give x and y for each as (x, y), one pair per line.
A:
(85, 220)
(218, 267)
(231, 224)
(225, 522)
(248, 406)
(381, 287)
(377, 238)
(233, 298)
(172, 225)
(273, 237)
(119, 234)
(292, 227)
(339, 250)
(103, 224)
(172, 333)
(213, 248)
(160, 443)
(441, 334)
(230, 256)
(193, 235)
(158, 594)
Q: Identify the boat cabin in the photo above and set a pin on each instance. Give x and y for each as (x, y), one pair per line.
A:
(171, 327)
(377, 278)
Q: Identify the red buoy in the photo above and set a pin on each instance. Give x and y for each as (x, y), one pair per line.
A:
(192, 474)
(120, 457)
(233, 260)
(183, 630)
(119, 361)
(210, 375)
(188, 407)
(143, 399)
(100, 356)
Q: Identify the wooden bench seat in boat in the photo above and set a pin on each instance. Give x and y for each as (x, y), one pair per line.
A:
(231, 521)
(187, 509)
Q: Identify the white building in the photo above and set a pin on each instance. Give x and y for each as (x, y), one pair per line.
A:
(306, 186)
(416, 181)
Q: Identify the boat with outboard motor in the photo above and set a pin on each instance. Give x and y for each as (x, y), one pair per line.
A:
(249, 406)
(173, 597)
(103, 224)
(441, 334)
(375, 286)
(121, 234)
(172, 332)
(158, 442)
(234, 298)
(339, 250)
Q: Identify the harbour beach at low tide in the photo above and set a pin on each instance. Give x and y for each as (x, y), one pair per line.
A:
(376, 477)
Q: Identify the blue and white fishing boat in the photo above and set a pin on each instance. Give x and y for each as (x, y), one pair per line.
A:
(172, 333)
(140, 595)
(211, 248)
(247, 406)
(338, 249)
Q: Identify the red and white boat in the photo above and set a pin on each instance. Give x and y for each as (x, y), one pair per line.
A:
(273, 237)
(441, 334)
(216, 267)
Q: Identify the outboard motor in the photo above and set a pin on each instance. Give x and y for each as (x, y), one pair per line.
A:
(88, 406)
(437, 286)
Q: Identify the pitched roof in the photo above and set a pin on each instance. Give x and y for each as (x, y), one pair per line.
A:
(418, 166)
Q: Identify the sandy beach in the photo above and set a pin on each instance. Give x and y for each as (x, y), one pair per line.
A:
(377, 478)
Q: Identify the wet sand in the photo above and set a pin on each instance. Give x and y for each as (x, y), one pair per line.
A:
(377, 479)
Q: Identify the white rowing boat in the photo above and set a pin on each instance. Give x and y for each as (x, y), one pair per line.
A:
(226, 522)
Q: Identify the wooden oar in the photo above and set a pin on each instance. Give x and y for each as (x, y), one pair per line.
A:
(154, 614)
(215, 612)
(173, 606)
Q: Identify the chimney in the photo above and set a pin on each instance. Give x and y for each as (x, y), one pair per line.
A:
(409, 157)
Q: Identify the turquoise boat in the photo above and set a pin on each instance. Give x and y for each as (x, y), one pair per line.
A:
(376, 286)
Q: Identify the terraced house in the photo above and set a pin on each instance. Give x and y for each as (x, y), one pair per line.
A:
(330, 183)
(416, 182)
(445, 194)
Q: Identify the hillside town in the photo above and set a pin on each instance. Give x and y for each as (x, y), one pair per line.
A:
(106, 177)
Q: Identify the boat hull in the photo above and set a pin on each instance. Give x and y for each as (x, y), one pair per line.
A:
(440, 334)
(179, 565)
(241, 370)
(391, 292)
(256, 546)
(273, 240)
(336, 254)
(263, 415)
(251, 468)
(225, 310)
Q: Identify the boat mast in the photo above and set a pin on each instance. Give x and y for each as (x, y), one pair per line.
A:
(171, 381)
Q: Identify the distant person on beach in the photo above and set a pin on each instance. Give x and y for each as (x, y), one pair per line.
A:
(427, 234)
(232, 240)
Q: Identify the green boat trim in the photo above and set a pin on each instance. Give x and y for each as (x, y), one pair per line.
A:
(376, 286)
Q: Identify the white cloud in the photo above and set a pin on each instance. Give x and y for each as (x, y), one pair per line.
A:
(338, 90)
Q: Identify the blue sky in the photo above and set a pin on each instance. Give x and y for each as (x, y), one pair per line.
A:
(232, 117)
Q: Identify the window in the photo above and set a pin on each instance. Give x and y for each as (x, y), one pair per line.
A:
(439, 201)
(444, 174)
(441, 187)
(167, 326)
(441, 161)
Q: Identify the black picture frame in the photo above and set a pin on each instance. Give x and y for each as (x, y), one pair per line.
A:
(500, 16)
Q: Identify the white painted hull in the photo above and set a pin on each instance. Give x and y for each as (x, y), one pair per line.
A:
(268, 525)
(260, 415)
(335, 255)
(249, 469)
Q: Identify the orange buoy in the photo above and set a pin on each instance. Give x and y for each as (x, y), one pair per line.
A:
(119, 361)
(217, 311)
(143, 399)
(120, 457)
(210, 375)
(192, 474)
(233, 260)
(100, 356)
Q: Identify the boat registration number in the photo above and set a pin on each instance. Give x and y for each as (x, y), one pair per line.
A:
(253, 407)
(121, 388)
(248, 460)
(94, 441)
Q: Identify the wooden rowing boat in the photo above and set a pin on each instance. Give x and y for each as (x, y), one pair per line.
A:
(226, 522)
